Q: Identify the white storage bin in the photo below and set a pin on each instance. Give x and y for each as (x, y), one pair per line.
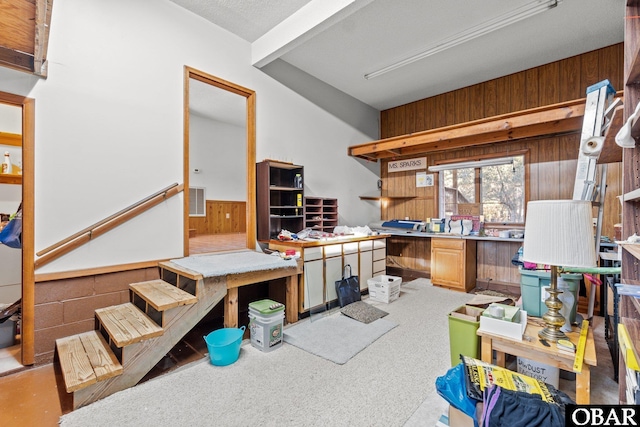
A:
(384, 288)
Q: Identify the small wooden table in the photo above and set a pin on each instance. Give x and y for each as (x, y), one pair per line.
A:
(531, 348)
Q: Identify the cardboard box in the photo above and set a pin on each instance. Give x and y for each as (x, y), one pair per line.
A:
(457, 418)
(384, 288)
(504, 328)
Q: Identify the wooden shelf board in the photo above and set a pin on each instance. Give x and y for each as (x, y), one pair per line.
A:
(11, 179)
(554, 119)
(13, 139)
(633, 249)
(633, 327)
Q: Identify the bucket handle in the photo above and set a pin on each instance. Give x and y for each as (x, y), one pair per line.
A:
(242, 328)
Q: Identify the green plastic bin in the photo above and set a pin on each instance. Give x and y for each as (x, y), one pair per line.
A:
(463, 338)
(531, 284)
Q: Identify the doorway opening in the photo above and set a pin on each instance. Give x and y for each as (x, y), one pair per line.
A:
(219, 164)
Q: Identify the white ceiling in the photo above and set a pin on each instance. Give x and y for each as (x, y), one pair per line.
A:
(339, 41)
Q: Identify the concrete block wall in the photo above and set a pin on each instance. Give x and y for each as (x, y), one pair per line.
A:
(66, 307)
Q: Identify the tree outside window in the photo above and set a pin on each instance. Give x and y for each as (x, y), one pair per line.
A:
(499, 191)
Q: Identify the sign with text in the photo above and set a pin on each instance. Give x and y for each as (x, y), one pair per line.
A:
(407, 165)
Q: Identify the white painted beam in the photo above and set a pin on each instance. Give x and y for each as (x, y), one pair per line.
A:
(310, 20)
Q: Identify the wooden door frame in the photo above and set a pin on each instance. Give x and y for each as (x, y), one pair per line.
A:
(27, 324)
(250, 95)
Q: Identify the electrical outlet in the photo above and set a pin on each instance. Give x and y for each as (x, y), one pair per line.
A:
(228, 216)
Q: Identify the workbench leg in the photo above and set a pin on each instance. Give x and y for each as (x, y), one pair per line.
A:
(291, 303)
(231, 308)
(583, 385)
(486, 350)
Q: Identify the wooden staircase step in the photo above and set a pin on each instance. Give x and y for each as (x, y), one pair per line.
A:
(126, 324)
(86, 359)
(162, 295)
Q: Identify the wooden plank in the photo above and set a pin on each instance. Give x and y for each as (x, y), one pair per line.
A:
(18, 25)
(74, 363)
(162, 295)
(126, 324)
(103, 361)
(13, 139)
(557, 118)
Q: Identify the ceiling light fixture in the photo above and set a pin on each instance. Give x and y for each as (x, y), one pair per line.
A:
(501, 21)
(465, 165)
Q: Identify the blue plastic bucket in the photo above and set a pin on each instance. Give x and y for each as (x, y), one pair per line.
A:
(224, 345)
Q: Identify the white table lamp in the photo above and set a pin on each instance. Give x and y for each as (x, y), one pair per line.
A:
(558, 233)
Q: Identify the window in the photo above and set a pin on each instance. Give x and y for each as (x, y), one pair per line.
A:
(495, 185)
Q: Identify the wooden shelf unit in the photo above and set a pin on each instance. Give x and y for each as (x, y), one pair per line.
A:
(629, 312)
(277, 205)
(320, 213)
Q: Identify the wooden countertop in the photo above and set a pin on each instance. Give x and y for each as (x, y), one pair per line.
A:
(326, 241)
(421, 234)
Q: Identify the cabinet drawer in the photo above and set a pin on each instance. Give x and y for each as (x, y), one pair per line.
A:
(447, 243)
(379, 254)
(350, 248)
(366, 246)
(332, 251)
(379, 266)
(311, 254)
(379, 243)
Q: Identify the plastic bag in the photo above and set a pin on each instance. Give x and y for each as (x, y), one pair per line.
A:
(11, 234)
(348, 288)
(452, 387)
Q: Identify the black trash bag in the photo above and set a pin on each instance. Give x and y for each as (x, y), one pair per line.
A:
(348, 288)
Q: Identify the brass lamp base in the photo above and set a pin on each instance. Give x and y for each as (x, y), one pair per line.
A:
(552, 318)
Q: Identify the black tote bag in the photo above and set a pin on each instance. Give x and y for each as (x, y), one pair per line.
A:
(348, 288)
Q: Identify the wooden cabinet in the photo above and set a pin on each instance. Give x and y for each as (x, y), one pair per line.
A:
(320, 213)
(629, 307)
(453, 263)
(279, 203)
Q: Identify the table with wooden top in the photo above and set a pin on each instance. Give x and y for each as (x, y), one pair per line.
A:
(531, 348)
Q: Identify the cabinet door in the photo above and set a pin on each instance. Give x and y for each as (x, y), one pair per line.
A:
(366, 268)
(333, 273)
(313, 284)
(447, 266)
(352, 260)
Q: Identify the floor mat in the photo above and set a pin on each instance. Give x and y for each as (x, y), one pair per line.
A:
(363, 312)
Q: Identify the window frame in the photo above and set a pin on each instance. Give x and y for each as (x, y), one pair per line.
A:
(526, 163)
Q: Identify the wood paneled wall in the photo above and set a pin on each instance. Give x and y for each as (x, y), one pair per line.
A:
(551, 161)
(216, 221)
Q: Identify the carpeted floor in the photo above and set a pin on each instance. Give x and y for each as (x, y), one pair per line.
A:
(383, 385)
(389, 383)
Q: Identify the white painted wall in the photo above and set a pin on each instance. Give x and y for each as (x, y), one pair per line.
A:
(213, 147)
(109, 126)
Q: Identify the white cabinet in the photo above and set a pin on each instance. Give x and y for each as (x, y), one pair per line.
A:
(313, 283)
(379, 257)
(324, 265)
(332, 270)
(366, 263)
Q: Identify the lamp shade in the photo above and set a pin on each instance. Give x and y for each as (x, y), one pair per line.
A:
(560, 233)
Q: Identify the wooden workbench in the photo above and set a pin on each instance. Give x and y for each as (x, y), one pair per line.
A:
(531, 348)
